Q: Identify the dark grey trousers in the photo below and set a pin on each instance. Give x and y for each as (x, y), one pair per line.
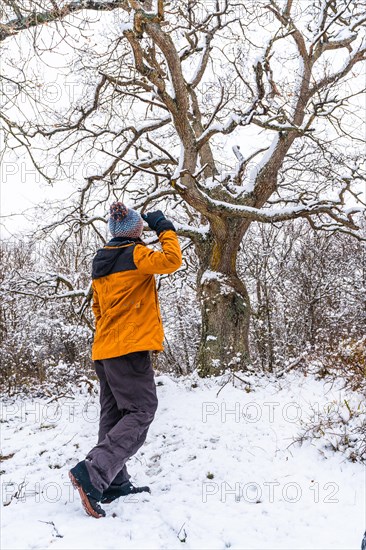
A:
(128, 403)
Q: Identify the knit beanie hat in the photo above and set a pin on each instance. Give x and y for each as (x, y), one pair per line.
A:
(124, 222)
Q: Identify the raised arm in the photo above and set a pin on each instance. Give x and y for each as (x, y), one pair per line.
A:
(170, 258)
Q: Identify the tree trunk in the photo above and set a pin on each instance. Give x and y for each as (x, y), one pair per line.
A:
(225, 306)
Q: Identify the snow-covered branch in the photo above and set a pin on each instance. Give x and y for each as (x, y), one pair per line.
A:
(28, 16)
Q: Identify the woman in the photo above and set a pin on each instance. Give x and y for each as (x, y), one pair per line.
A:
(128, 327)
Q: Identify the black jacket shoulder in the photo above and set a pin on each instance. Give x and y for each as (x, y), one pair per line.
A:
(113, 259)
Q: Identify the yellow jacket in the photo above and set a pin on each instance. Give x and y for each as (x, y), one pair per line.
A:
(125, 300)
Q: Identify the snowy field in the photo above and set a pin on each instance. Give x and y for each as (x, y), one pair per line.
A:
(222, 472)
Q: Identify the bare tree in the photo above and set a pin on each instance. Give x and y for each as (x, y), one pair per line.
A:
(170, 87)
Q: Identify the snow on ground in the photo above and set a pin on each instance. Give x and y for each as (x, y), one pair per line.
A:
(220, 468)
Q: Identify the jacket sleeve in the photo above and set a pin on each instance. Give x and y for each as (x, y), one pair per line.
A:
(96, 306)
(153, 262)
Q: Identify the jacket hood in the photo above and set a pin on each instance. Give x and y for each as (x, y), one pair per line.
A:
(104, 261)
(106, 258)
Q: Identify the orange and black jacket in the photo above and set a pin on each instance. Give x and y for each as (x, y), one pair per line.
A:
(125, 299)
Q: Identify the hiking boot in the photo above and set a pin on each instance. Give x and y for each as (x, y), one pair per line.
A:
(116, 491)
(89, 495)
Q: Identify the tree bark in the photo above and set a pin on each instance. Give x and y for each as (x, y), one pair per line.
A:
(225, 304)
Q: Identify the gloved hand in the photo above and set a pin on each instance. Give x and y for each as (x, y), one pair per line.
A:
(157, 221)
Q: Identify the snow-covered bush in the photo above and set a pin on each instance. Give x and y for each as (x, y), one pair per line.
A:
(44, 345)
(307, 290)
(44, 352)
(340, 427)
(347, 362)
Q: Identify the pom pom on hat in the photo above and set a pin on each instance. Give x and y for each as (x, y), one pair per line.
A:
(118, 211)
